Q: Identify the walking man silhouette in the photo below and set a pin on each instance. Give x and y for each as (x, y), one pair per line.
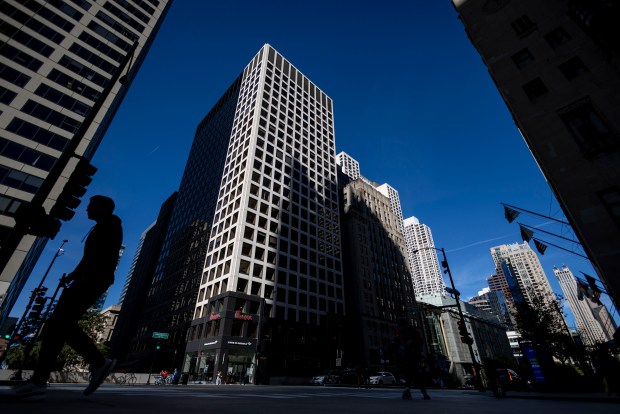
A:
(83, 286)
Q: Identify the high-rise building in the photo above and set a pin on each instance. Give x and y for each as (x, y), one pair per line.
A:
(525, 277)
(392, 195)
(555, 64)
(56, 59)
(425, 271)
(586, 311)
(376, 272)
(251, 259)
(493, 302)
(348, 165)
(136, 289)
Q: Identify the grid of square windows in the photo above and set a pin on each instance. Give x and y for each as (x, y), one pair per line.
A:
(290, 252)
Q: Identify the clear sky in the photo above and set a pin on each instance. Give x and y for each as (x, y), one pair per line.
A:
(413, 103)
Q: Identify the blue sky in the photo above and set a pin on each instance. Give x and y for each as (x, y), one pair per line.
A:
(413, 103)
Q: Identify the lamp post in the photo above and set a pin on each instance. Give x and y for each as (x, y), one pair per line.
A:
(462, 324)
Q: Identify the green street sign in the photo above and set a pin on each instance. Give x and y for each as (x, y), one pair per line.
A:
(160, 335)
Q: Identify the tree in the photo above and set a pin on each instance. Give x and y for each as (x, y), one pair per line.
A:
(93, 323)
(541, 322)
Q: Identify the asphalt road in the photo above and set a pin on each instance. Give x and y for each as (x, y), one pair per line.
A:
(233, 399)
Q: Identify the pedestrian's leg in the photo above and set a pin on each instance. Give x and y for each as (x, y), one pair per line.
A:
(68, 311)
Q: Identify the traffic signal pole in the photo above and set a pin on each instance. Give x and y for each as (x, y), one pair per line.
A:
(21, 227)
(32, 298)
(475, 363)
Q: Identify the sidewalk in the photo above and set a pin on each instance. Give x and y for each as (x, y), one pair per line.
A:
(561, 396)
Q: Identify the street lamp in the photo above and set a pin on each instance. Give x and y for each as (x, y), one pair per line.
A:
(465, 336)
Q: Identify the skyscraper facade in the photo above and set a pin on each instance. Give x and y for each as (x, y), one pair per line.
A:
(554, 64)
(261, 178)
(376, 273)
(590, 329)
(425, 272)
(56, 59)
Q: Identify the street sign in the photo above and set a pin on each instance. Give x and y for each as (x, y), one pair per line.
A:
(160, 335)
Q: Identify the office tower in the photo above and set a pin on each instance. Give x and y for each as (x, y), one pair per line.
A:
(493, 302)
(376, 272)
(425, 272)
(554, 64)
(56, 59)
(348, 165)
(590, 329)
(252, 253)
(137, 286)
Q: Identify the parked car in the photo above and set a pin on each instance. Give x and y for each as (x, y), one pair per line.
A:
(382, 378)
(327, 377)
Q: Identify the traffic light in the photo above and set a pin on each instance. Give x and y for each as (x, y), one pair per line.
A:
(157, 347)
(74, 189)
(465, 338)
(36, 221)
(39, 303)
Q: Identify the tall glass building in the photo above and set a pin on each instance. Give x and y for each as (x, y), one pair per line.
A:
(56, 59)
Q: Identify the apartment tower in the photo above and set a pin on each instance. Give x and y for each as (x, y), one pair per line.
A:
(425, 272)
(56, 59)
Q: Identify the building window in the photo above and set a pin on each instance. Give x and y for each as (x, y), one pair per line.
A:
(535, 89)
(573, 68)
(611, 200)
(587, 127)
(523, 26)
(557, 37)
(522, 58)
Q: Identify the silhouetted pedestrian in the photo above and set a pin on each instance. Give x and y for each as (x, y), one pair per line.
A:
(408, 349)
(90, 279)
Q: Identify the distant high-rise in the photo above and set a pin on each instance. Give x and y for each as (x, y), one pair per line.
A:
(555, 64)
(348, 165)
(526, 280)
(590, 328)
(492, 301)
(136, 290)
(56, 59)
(392, 195)
(425, 271)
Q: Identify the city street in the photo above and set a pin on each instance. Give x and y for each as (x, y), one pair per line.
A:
(231, 399)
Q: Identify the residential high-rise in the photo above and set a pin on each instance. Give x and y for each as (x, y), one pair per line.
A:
(555, 64)
(251, 260)
(425, 271)
(348, 165)
(518, 262)
(526, 280)
(56, 59)
(589, 327)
